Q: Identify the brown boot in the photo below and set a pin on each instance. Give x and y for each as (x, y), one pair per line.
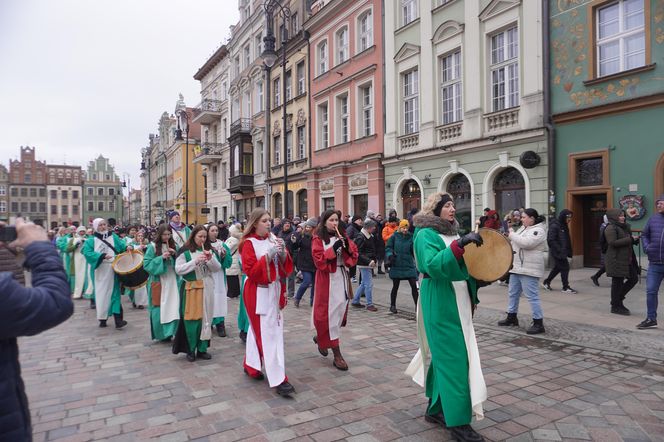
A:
(339, 361)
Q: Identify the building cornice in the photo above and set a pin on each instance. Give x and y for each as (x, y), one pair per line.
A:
(610, 109)
(214, 60)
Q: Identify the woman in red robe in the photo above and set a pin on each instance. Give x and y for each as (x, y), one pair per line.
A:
(265, 261)
(333, 254)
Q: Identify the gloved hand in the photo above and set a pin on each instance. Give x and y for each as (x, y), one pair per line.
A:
(636, 240)
(337, 245)
(473, 237)
(272, 251)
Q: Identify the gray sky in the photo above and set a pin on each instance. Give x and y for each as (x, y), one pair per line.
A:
(79, 78)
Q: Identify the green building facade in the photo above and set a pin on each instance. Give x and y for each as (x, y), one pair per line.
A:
(607, 101)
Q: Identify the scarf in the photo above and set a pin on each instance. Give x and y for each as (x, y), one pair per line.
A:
(175, 226)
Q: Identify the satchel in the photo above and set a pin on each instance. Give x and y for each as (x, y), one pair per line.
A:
(155, 289)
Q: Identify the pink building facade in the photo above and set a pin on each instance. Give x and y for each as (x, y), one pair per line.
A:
(346, 87)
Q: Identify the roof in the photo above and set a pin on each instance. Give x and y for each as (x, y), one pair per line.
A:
(211, 63)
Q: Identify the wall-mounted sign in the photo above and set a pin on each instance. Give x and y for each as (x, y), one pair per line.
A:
(633, 207)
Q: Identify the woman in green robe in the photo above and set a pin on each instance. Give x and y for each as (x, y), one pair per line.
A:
(448, 297)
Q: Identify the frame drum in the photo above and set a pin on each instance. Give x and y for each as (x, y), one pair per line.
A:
(129, 268)
(492, 260)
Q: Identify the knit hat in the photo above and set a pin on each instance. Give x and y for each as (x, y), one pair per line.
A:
(172, 214)
(661, 198)
(371, 214)
(404, 224)
(96, 222)
(80, 229)
(311, 222)
(355, 218)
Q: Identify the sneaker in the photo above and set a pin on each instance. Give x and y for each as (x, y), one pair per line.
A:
(204, 355)
(648, 323)
(569, 290)
(620, 311)
(546, 286)
(372, 308)
(354, 280)
(357, 305)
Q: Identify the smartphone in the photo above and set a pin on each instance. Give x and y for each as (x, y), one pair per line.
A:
(7, 233)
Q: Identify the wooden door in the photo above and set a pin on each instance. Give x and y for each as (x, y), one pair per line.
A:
(593, 211)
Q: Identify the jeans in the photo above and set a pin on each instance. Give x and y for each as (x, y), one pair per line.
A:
(366, 286)
(561, 266)
(308, 279)
(529, 286)
(290, 283)
(653, 282)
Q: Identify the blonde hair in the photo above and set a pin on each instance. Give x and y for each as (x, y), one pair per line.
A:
(432, 201)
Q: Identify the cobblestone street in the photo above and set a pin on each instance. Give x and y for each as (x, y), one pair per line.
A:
(86, 383)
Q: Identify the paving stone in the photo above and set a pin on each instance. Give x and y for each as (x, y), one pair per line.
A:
(542, 434)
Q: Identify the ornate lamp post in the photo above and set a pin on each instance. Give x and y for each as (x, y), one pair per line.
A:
(183, 120)
(269, 58)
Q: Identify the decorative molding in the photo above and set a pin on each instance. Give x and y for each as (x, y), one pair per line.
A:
(358, 181)
(407, 50)
(609, 109)
(327, 186)
(447, 30)
(276, 131)
(497, 7)
(301, 118)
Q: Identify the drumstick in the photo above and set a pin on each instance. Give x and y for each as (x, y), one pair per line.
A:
(477, 226)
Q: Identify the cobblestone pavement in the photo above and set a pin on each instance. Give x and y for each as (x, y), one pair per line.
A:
(86, 383)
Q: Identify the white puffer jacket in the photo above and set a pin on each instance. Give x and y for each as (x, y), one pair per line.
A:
(234, 235)
(529, 245)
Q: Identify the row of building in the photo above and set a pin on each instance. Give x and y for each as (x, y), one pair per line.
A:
(375, 104)
(54, 195)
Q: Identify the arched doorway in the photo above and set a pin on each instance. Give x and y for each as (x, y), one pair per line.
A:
(411, 196)
(510, 191)
(291, 208)
(302, 209)
(459, 187)
(277, 205)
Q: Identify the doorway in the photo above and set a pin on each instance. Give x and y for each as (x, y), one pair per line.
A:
(411, 197)
(510, 190)
(593, 209)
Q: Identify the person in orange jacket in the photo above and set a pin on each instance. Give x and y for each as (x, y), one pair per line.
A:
(391, 225)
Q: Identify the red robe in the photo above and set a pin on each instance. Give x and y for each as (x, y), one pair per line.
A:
(326, 264)
(260, 272)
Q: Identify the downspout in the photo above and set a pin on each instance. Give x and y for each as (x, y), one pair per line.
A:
(267, 100)
(548, 124)
(306, 36)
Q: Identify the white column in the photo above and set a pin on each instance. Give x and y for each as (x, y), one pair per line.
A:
(473, 84)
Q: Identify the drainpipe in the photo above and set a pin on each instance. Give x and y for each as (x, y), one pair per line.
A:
(548, 124)
(267, 100)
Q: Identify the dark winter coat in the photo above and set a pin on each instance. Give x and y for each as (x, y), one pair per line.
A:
(352, 230)
(302, 247)
(27, 312)
(366, 248)
(399, 253)
(619, 259)
(558, 240)
(653, 238)
(378, 239)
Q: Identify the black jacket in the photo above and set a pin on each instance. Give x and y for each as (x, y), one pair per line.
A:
(302, 248)
(352, 230)
(378, 239)
(366, 247)
(558, 240)
(26, 312)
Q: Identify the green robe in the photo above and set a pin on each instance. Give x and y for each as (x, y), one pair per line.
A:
(242, 318)
(156, 266)
(95, 259)
(61, 244)
(448, 377)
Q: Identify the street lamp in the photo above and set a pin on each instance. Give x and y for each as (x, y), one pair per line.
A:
(143, 168)
(183, 119)
(124, 186)
(269, 56)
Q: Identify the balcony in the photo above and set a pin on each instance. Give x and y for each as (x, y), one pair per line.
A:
(241, 126)
(208, 111)
(409, 142)
(208, 153)
(449, 132)
(241, 184)
(502, 120)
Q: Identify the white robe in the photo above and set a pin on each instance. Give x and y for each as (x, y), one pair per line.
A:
(80, 267)
(271, 324)
(104, 278)
(169, 309)
(220, 290)
(203, 272)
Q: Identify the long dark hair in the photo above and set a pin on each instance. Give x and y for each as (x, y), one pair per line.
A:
(321, 230)
(158, 242)
(191, 244)
(534, 215)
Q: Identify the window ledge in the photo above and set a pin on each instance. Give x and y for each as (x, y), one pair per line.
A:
(364, 52)
(340, 65)
(646, 68)
(323, 75)
(408, 25)
(365, 138)
(443, 6)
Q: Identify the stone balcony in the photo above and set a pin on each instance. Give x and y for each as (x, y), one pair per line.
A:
(501, 121)
(408, 143)
(208, 111)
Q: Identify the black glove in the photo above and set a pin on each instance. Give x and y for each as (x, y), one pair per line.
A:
(473, 237)
(337, 245)
(636, 241)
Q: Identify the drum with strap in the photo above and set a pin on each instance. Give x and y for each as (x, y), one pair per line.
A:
(492, 260)
(129, 268)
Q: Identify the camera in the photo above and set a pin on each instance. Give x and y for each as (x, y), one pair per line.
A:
(7, 233)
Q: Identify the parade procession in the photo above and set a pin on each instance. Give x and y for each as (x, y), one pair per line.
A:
(336, 239)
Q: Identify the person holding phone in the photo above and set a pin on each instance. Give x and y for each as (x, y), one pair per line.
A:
(27, 312)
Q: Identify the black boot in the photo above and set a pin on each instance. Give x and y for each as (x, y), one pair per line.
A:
(119, 322)
(221, 330)
(243, 336)
(465, 433)
(536, 328)
(93, 306)
(102, 323)
(285, 389)
(510, 320)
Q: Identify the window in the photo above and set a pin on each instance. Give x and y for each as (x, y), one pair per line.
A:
(224, 175)
(365, 30)
(90, 191)
(322, 57)
(100, 206)
(289, 88)
(247, 56)
(3, 190)
(505, 69)
(450, 88)
(342, 45)
(108, 177)
(100, 191)
(64, 210)
(277, 93)
(24, 192)
(54, 194)
(236, 66)
(258, 44)
(277, 150)
(323, 127)
(589, 172)
(111, 205)
(295, 25)
(259, 96)
(91, 206)
(342, 119)
(111, 191)
(24, 207)
(14, 207)
(74, 209)
(301, 153)
(42, 207)
(408, 11)
(300, 78)
(411, 107)
(3, 206)
(620, 33)
(65, 194)
(33, 207)
(366, 110)
(74, 194)
(328, 203)
(27, 178)
(289, 146)
(14, 191)
(33, 193)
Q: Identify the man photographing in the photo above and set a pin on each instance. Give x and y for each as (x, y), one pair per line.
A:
(27, 312)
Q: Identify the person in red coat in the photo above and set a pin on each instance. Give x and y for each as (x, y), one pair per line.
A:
(333, 254)
(265, 261)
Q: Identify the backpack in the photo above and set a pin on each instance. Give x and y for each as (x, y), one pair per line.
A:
(602, 240)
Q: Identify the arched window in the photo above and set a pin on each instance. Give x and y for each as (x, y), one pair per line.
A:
(302, 210)
(291, 208)
(411, 196)
(277, 205)
(459, 188)
(510, 191)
